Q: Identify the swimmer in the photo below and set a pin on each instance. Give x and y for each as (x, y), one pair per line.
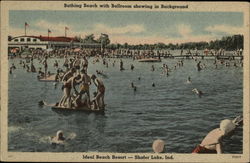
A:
(152, 68)
(33, 69)
(139, 78)
(199, 66)
(198, 92)
(121, 65)
(212, 143)
(40, 73)
(56, 64)
(132, 67)
(158, 146)
(189, 80)
(59, 138)
(153, 84)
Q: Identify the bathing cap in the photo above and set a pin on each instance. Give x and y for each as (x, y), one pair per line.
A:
(226, 126)
(58, 133)
(158, 146)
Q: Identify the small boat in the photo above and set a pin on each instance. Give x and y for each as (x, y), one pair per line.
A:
(51, 78)
(56, 108)
(149, 60)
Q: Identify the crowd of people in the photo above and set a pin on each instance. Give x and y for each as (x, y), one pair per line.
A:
(76, 82)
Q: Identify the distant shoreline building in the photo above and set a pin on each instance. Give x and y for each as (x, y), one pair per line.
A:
(45, 42)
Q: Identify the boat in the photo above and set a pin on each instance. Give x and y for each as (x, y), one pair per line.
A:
(57, 108)
(149, 60)
(51, 78)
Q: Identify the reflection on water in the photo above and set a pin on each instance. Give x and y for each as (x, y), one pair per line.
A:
(133, 120)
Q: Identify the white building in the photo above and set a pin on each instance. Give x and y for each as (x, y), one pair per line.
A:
(44, 42)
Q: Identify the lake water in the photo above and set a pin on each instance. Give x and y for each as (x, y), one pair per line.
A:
(132, 120)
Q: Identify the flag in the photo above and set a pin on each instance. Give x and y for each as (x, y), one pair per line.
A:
(66, 28)
(26, 24)
(49, 31)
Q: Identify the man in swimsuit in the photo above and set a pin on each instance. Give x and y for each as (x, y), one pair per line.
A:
(71, 83)
(99, 99)
(67, 86)
(84, 86)
(68, 75)
(212, 142)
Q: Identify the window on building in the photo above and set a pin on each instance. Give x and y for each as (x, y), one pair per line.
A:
(16, 40)
(28, 39)
(22, 39)
(34, 40)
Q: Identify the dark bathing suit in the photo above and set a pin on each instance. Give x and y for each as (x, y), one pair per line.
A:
(201, 149)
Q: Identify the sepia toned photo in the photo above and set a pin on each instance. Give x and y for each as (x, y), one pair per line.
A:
(124, 81)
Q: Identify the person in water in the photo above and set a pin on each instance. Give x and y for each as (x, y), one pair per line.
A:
(158, 146)
(132, 67)
(152, 68)
(81, 101)
(189, 80)
(199, 66)
(212, 143)
(59, 138)
(56, 64)
(121, 65)
(68, 85)
(85, 83)
(40, 73)
(99, 99)
(198, 92)
(45, 63)
(32, 67)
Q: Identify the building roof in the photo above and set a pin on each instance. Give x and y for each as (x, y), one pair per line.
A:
(56, 39)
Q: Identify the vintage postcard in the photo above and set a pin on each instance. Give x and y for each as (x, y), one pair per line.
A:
(124, 81)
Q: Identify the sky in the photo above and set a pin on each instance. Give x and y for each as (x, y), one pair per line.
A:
(133, 27)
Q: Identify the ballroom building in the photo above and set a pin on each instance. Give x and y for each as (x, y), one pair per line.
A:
(45, 42)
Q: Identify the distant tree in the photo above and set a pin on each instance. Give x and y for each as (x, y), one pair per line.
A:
(104, 40)
(89, 39)
(78, 38)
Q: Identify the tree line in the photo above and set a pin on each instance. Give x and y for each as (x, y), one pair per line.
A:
(228, 43)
